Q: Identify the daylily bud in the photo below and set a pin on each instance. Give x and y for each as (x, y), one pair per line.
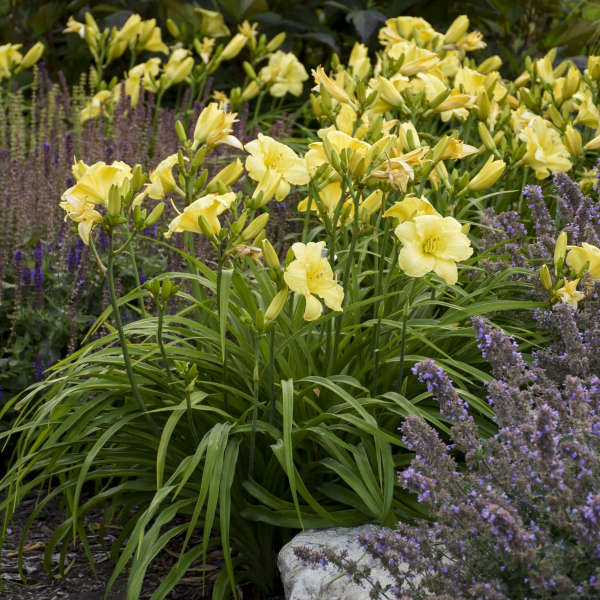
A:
(249, 70)
(486, 138)
(439, 98)
(250, 91)
(457, 30)
(270, 256)
(453, 102)
(234, 46)
(181, 135)
(33, 55)
(173, 28)
(440, 148)
(275, 42)
(571, 84)
(545, 277)
(487, 176)
(573, 141)
(556, 117)
(138, 177)
(229, 175)
(593, 144)
(493, 63)
(482, 107)
(156, 213)
(276, 305)
(114, 201)
(255, 227)
(206, 229)
(560, 250)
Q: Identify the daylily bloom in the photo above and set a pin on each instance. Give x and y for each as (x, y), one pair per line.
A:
(119, 41)
(162, 181)
(409, 208)
(405, 28)
(178, 67)
(214, 127)
(94, 181)
(10, 57)
(209, 207)
(569, 293)
(150, 38)
(213, 23)
(336, 91)
(432, 243)
(283, 73)
(458, 149)
(144, 73)
(359, 60)
(267, 153)
(81, 212)
(545, 150)
(578, 256)
(310, 273)
(94, 106)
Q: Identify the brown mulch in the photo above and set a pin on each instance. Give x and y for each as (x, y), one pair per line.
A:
(79, 581)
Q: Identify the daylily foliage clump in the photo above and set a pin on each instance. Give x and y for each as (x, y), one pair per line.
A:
(257, 389)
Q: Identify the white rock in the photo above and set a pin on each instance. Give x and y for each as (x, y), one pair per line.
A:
(308, 583)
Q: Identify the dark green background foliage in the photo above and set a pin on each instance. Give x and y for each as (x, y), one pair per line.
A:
(315, 28)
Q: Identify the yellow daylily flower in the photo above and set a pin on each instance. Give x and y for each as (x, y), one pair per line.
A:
(569, 293)
(588, 113)
(409, 208)
(405, 28)
(10, 57)
(416, 59)
(119, 40)
(359, 61)
(81, 212)
(336, 91)
(545, 150)
(209, 206)
(214, 126)
(310, 273)
(227, 175)
(178, 67)
(432, 243)
(283, 73)
(94, 182)
(162, 181)
(267, 153)
(578, 256)
(457, 149)
(150, 38)
(74, 26)
(92, 109)
(471, 41)
(144, 73)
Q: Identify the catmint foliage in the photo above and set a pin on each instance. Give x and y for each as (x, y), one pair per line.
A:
(517, 515)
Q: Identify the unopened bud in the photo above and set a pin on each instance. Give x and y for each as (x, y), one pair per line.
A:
(181, 135)
(560, 250)
(255, 227)
(114, 201)
(573, 141)
(486, 137)
(33, 55)
(173, 28)
(156, 213)
(276, 305)
(276, 42)
(493, 63)
(546, 278)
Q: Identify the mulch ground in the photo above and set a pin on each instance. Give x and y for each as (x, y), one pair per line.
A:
(79, 581)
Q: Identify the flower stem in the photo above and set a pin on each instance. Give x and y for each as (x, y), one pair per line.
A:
(403, 339)
(123, 341)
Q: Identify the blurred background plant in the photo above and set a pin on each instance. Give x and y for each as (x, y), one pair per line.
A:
(314, 28)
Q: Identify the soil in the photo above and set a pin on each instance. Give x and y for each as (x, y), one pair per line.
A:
(79, 581)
